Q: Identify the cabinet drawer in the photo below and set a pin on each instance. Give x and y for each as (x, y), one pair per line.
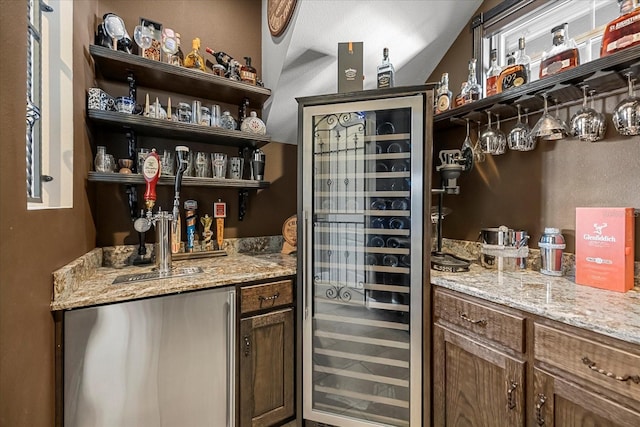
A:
(610, 367)
(265, 296)
(499, 326)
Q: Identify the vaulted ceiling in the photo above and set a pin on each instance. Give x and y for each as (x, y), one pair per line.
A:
(303, 61)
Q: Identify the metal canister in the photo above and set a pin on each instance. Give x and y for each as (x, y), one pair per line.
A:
(551, 246)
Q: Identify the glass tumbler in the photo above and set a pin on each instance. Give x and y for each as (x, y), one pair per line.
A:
(219, 162)
(236, 167)
(142, 155)
(203, 165)
(166, 163)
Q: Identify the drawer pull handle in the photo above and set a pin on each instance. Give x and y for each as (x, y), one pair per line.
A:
(511, 401)
(247, 345)
(272, 298)
(466, 318)
(539, 404)
(592, 365)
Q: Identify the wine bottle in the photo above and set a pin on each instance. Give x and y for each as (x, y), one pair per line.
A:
(221, 57)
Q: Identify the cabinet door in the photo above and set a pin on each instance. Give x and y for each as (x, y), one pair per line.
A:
(266, 368)
(475, 385)
(560, 403)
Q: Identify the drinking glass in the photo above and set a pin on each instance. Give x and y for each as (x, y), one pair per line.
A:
(166, 163)
(479, 155)
(203, 165)
(501, 141)
(143, 36)
(490, 138)
(236, 167)
(587, 123)
(142, 155)
(626, 116)
(519, 137)
(219, 162)
(549, 127)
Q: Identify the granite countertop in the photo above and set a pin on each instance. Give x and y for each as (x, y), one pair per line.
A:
(610, 313)
(85, 282)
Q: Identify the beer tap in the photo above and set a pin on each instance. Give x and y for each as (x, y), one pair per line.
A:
(182, 154)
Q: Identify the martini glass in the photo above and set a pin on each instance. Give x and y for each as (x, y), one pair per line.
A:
(626, 116)
(548, 127)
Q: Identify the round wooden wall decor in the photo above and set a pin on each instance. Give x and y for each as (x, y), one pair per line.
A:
(279, 14)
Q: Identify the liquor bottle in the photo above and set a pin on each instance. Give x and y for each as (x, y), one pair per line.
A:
(194, 59)
(221, 57)
(492, 74)
(386, 72)
(247, 72)
(562, 56)
(472, 91)
(516, 73)
(459, 99)
(178, 58)
(443, 98)
(624, 31)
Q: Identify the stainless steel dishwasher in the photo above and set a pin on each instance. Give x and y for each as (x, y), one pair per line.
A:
(165, 361)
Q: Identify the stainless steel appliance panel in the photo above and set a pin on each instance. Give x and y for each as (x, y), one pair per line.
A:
(166, 361)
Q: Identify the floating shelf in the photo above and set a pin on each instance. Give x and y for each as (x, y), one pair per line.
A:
(187, 181)
(146, 126)
(602, 75)
(116, 65)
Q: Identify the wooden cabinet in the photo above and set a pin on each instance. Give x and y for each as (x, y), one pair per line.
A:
(495, 366)
(476, 382)
(583, 380)
(266, 354)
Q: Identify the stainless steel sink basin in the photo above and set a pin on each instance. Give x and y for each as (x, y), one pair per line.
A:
(156, 275)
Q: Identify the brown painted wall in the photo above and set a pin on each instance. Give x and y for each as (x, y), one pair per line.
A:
(35, 243)
(542, 188)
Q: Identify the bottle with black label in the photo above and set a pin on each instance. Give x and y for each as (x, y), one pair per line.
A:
(386, 72)
(516, 73)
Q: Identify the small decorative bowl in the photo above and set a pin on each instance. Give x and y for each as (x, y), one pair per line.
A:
(125, 165)
(124, 104)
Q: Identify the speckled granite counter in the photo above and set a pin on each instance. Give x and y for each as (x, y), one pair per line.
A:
(85, 282)
(558, 298)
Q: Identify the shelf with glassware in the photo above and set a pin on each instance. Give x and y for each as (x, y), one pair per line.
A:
(602, 75)
(187, 181)
(169, 129)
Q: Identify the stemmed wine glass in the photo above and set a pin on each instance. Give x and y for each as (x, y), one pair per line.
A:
(489, 137)
(114, 27)
(467, 149)
(519, 137)
(626, 116)
(479, 155)
(549, 127)
(587, 123)
(143, 36)
(501, 142)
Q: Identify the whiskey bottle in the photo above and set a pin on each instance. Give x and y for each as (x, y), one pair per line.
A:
(386, 72)
(492, 74)
(472, 91)
(194, 59)
(516, 73)
(624, 31)
(247, 72)
(562, 56)
(459, 99)
(443, 98)
(221, 58)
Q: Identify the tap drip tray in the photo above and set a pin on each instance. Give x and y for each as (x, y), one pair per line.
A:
(156, 275)
(448, 263)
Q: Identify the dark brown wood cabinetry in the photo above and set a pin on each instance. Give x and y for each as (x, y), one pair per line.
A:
(495, 366)
(266, 354)
(476, 381)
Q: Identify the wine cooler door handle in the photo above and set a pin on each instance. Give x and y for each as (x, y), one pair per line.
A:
(305, 268)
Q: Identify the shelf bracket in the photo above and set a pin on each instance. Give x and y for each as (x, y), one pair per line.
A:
(132, 86)
(243, 199)
(132, 199)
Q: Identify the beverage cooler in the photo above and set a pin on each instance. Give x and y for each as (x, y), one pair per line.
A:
(363, 257)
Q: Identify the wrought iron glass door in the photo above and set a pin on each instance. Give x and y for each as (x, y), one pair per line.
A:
(362, 202)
